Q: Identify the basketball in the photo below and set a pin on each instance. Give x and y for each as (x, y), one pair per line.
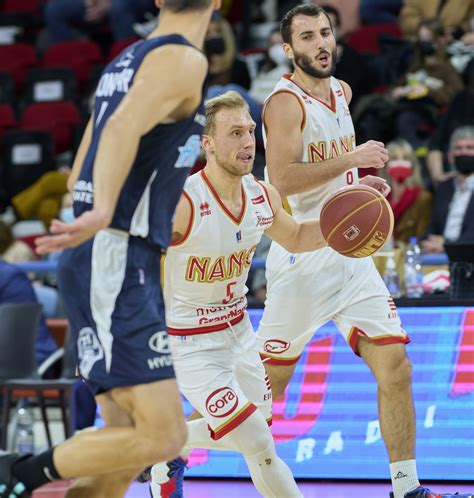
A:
(356, 221)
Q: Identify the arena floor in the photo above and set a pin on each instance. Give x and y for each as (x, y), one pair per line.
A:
(194, 488)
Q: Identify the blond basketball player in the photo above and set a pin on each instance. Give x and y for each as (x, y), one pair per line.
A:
(221, 217)
(310, 152)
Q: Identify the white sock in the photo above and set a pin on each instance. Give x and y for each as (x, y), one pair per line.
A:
(404, 477)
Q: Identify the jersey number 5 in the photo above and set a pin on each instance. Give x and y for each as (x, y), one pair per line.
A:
(230, 295)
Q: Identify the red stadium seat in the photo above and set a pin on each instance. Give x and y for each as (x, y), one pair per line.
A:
(59, 118)
(7, 119)
(31, 6)
(118, 46)
(366, 38)
(16, 59)
(80, 55)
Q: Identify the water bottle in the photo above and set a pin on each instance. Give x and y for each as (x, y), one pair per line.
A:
(413, 274)
(391, 278)
(25, 441)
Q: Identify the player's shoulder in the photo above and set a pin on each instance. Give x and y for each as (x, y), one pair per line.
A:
(346, 89)
(284, 102)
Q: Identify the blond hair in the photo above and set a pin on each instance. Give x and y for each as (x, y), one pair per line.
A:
(409, 154)
(228, 100)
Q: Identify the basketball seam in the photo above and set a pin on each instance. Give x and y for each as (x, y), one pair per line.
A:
(343, 194)
(376, 199)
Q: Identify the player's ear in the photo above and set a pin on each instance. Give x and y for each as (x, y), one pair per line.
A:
(288, 50)
(207, 144)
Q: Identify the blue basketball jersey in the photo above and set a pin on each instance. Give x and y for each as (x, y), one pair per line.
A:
(164, 157)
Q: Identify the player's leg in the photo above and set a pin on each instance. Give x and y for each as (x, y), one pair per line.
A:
(115, 483)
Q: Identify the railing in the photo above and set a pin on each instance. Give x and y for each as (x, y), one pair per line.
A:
(51, 266)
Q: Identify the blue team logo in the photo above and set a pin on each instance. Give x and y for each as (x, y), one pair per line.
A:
(89, 350)
(189, 152)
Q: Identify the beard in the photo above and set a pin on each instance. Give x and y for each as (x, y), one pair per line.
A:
(304, 62)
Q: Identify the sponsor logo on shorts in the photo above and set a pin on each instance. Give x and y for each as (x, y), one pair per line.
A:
(160, 362)
(222, 402)
(89, 350)
(351, 233)
(275, 346)
(159, 342)
(393, 313)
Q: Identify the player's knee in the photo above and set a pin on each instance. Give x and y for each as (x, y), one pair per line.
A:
(164, 442)
(396, 373)
(253, 436)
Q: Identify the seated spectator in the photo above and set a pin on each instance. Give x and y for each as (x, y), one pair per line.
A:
(459, 113)
(15, 287)
(69, 19)
(220, 48)
(453, 207)
(43, 199)
(411, 204)
(11, 250)
(453, 14)
(271, 68)
(380, 11)
(413, 104)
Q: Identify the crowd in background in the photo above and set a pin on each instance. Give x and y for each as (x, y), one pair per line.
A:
(409, 63)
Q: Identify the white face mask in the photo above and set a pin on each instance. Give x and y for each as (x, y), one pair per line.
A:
(277, 55)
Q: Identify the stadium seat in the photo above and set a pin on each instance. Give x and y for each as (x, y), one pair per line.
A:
(118, 46)
(27, 155)
(31, 6)
(6, 88)
(79, 55)
(49, 85)
(366, 38)
(15, 59)
(59, 118)
(7, 119)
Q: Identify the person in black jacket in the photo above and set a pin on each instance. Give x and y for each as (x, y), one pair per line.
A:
(453, 208)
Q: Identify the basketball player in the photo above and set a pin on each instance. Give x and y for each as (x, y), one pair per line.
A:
(222, 215)
(127, 178)
(310, 152)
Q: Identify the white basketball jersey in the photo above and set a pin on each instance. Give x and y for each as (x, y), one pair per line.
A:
(327, 132)
(206, 271)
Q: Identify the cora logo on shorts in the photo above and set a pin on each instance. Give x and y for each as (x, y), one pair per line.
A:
(222, 402)
(159, 342)
(276, 346)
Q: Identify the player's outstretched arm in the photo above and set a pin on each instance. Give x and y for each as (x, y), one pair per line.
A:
(80, 156)
(293, 236)
(156, 96)
(288, 171)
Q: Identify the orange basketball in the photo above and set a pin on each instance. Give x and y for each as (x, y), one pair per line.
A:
(356, 221)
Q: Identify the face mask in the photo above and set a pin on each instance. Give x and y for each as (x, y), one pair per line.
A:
(399, 170)
(277, 54)
(426, 48)
(213, 46)
(464, 164)
(67, 215)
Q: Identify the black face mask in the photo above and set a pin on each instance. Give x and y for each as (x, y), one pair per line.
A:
(426, 48)
(214, 46)
(464, 164)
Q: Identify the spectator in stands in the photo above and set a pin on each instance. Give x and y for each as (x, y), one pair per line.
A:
(454, 15)
(11, 250)
(380, 11)
(460, 113)
(43, 199)
(68, 19)
(453, 207)
(351, 67)
(220, 47)
(15, 287)
(413, 104)
(411, 204)
(271, 68)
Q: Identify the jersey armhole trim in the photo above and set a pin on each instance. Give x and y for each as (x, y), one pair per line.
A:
(190, 223)
(303, 121)
(343, 90)
(267, 195)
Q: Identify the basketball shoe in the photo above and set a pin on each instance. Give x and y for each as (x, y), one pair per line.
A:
(166, 479)
(10, 486)
(422, 492)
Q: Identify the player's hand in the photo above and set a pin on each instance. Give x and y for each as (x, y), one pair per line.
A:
(377, 183)
(64, 235)
(372, 154)
(433, 244)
